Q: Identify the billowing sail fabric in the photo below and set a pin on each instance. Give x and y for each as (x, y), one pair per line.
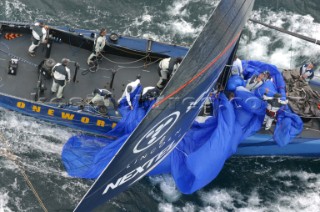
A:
(252, 67)
(86, 156)
(201, 154)
(198, 158)
(234, 82)
(177, 107)
(288, 124)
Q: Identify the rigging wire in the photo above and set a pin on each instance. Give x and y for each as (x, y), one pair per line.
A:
(7, 152)
(291, 49)
(123, 63)
(86, 71)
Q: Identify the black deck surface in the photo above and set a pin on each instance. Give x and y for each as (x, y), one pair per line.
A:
(24, 83)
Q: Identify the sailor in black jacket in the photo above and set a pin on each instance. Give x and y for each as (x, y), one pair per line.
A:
(61, 75)
(39, 35)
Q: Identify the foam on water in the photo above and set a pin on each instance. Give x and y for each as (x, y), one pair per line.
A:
(4, 199)
(292, 190)
(167, 186)
(28, 133)
(39, 143)
(278, 48)
(306, 200)
(13, 6)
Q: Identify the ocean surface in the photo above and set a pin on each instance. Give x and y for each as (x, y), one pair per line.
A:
(245, 183)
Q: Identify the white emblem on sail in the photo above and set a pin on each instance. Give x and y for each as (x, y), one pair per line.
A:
(156, 133)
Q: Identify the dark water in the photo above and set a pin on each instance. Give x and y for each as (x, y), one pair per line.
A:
(245, 184)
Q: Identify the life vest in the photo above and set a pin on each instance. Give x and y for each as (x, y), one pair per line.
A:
(38, 30)
(102, 43)
(62, 70)
(172, 62)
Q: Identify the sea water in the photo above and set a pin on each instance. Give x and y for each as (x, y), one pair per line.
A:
(245, 183)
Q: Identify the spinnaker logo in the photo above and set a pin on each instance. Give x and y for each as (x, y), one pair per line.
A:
(156, 133)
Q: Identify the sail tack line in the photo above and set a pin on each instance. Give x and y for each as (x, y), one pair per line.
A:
(6, 152)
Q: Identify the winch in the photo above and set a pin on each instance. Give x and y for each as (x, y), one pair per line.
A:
(46, 68)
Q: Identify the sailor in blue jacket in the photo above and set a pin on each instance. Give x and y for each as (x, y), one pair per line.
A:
(307, 71)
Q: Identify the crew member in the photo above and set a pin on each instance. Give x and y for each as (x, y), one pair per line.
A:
(149, 93)
(167, 67)
(257, 80)
(130, 88)
(103, 97)
(39, 35)
(274, 104)
(61, 75)
(237, 67)
(307, 71)
(99, 44)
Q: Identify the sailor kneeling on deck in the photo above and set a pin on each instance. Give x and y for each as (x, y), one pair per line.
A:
(61, 75)
(102, 98)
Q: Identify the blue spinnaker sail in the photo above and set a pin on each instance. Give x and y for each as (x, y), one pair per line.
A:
(234, 82)
(178, 105)
(198, 158)
(202, 152)
(86, 156)
(277, 84)
(288, 124)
